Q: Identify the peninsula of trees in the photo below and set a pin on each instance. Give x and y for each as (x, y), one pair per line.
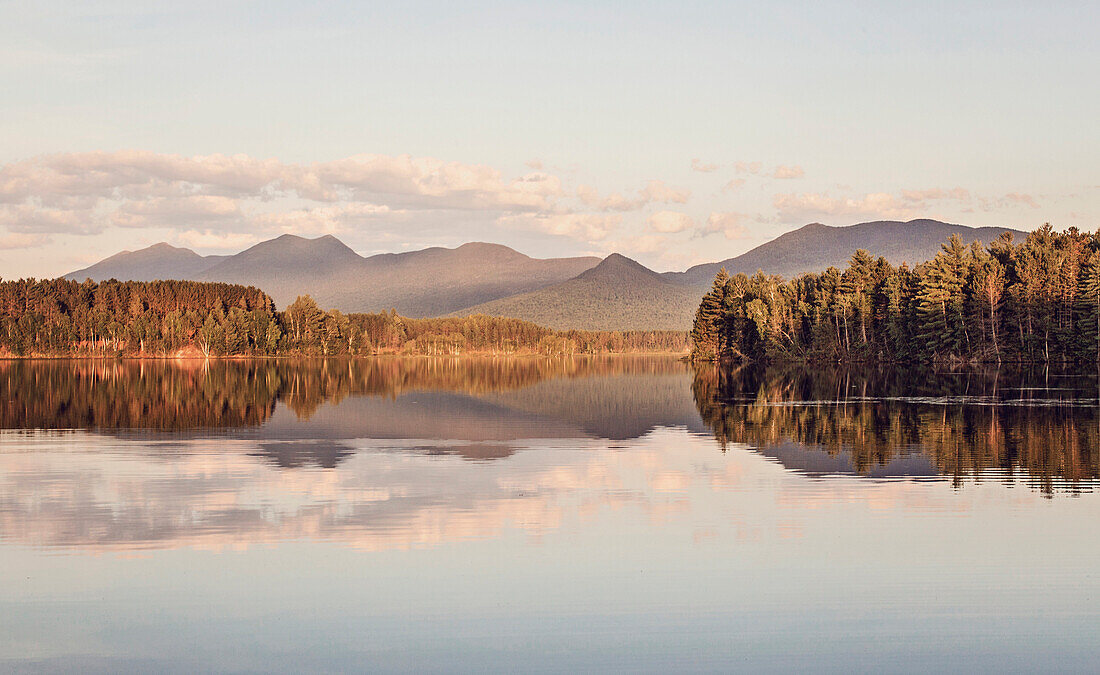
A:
(61, 317)
(1035, 301)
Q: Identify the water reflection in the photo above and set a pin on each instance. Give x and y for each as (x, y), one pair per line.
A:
(1040, 426)
(123, 456)
(393, 454)
(566, 515)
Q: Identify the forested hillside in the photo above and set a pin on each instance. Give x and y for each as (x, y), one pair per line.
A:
(619, 293)
(185, 318)
(1035, 301)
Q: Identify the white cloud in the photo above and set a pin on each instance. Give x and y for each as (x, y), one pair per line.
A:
(748, 167)
(702, 167)
(786, 172)
(322, 220)
(814, 206)
(729, 224)
(590, 227)
(34, 218)
(18, 240)
(669, 222)
(935, 194)
(655, 192)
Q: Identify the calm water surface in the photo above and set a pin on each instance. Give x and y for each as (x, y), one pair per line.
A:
(545, 515)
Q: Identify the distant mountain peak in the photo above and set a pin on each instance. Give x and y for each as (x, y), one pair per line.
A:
(487, 250)
(618, 265)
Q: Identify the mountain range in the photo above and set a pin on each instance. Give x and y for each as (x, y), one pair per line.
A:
(615, 293)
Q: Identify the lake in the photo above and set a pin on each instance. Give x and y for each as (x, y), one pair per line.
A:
(545, 515)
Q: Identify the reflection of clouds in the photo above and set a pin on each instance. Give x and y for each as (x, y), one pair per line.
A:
(84, 492)
(93, 494)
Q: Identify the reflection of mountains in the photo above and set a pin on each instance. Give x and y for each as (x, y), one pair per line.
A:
(900, 423)
(481, 402)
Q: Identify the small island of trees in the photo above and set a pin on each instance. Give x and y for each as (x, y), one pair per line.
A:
(1037, 301)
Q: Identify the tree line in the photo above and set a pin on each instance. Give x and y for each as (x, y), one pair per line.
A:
(1032, 301)
(59, 317)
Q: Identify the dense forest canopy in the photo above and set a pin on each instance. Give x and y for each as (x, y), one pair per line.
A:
(1033, 301)
(61, 317)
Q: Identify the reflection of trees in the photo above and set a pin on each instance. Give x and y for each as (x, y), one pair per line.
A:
(133, 395)
(1040, 425)
(178, 395)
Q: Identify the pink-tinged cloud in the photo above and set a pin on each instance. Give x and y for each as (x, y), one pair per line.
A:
(729, 224)
(30, 218)
(590, 227)
(931, 194)
(654, 192)
(733, 185)
(670, 222)
(811, 206)
(703, 167)
(753, 168)
(19, 240)
(1019, 198)
(788, 172)
(85, 193)
(907, 204)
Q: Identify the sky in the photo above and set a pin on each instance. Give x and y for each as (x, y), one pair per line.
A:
(674, 133)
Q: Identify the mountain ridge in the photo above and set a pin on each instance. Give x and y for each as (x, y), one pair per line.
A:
(816, 246)
(495, 279)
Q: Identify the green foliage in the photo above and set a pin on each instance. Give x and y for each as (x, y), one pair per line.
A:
(1037, 301)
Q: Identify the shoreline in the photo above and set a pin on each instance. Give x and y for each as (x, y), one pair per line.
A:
(262, 357)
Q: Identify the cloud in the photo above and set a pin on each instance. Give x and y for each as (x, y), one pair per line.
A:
(637, 245)
(324, 219)
(787, 172)
(590, 227)
(702, 167)
(177, 211)
(17, 241)
(86, 193)
(33, 218)
(657, 191)
(729, 223)
(210, 239)
(669, 222)
(654, 192)
(905, 205)
(748, 167)
(1018, 198)
(815, 206)
(935, 193)
(733, 185)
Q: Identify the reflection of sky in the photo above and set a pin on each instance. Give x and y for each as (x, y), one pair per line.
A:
(537, 542)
